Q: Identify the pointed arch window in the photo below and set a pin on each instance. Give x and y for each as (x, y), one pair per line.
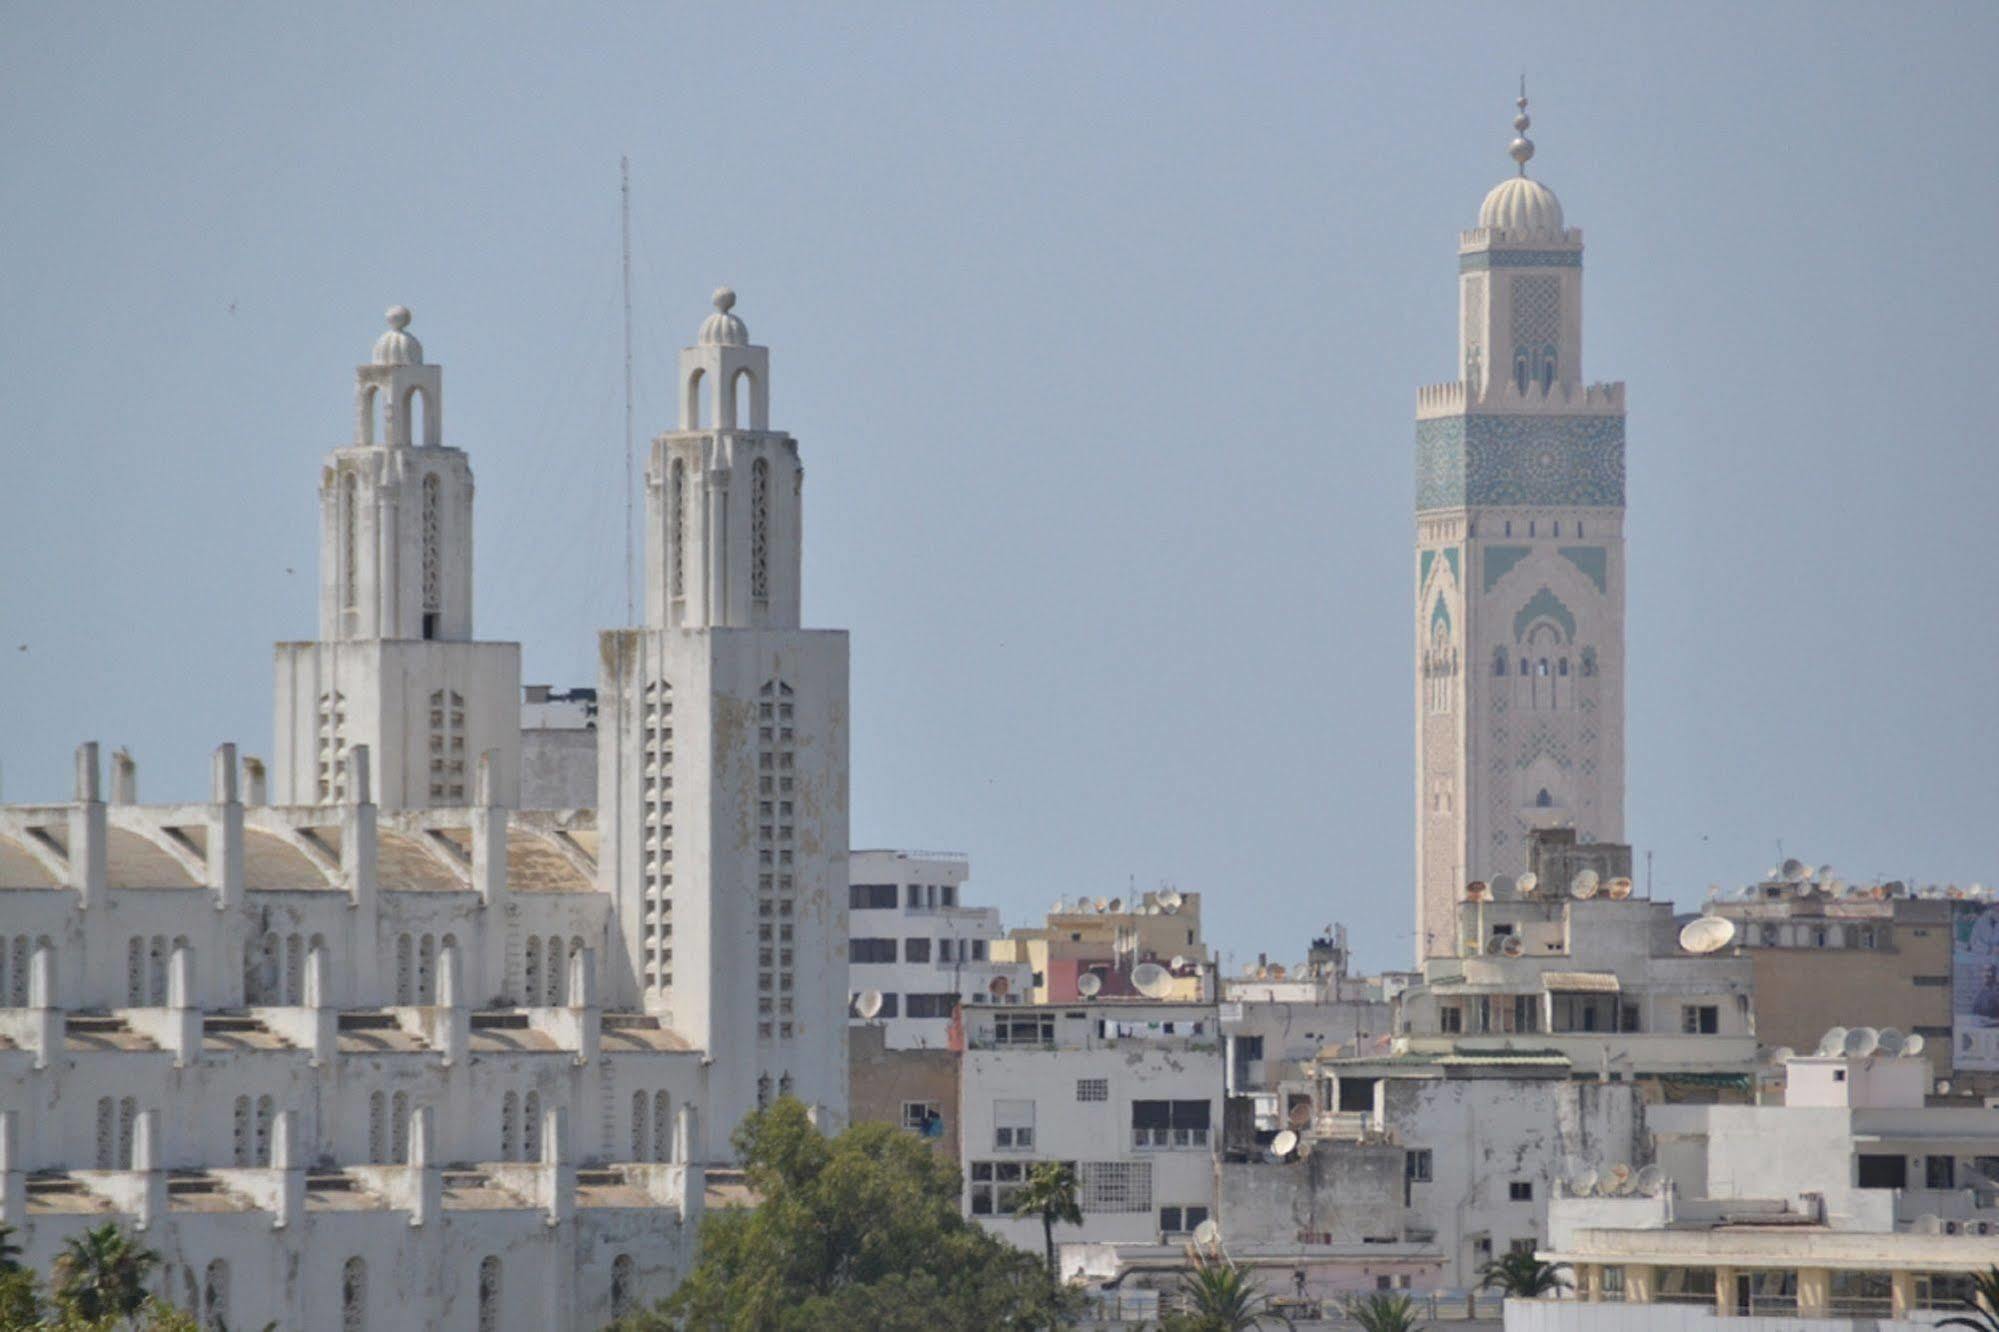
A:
(350, 544)
(1543, 800)
(760, 530)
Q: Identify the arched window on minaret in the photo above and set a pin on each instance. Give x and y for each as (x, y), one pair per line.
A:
(677, 522)
(1520, 370)
(693, 411)
(1548, 367)
(1499, 661)
(759, 529)
(433, 601)
(1544, 800)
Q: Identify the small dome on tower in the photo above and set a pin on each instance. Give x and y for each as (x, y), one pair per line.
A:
(1520, 204)
(397, 346)
(723, 329)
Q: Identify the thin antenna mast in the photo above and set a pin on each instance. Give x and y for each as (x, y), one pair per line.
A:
(625, 229)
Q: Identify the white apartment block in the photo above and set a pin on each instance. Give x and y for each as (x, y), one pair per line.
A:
(1129, 1093)
(915, 943)
(1854, 1203)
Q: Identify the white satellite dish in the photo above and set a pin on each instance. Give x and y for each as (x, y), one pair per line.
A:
(1707, 934)
(1170, 901)
(1584, 1183)
(1502, 885)
(1913, 1044)
(1061, 907)
(1617, 1179)
(1802, 888)
(1650, 1180)
(1476, 891)
(1285, 1143)
(1088, 984)
(1792, 870)
(1151, 980)
(1102, 904)
(1583, 886)
(1208, 1234)
(1618, 888)
(1862, 1041)
(1512, 946)
(1180, 962)
(1833, 1042)
(870, 1003)
(998, 987)
(1782, 1056)
(1527, 883)
(1890, 1041)
(1117, 905)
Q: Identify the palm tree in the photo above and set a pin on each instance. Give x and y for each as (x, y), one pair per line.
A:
(1982, 1309)
(1383, 1312)
(1050, 1193)
(10, 1252)
(1220, 1297)
(1523, 1276)
(102, 1274)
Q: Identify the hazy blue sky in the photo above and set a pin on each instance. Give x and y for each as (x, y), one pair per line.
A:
(1101, 328)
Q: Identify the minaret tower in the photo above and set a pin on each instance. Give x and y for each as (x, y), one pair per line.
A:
(722, 754)
(394, 667)
(1519, 564)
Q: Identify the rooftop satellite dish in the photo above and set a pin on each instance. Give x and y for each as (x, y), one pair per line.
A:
(1617, 1179)
(1914, 1044)
(1277, 971)
(1494, 945)
(1782, 1056)
(1707, 934)
(1304, 1149)
(1151, 980)
(1584, 1183)
(1285, 1143)
(998, 987)
(1890, 1041)
(1180, 962)
(1802, 888)
(1476, 891)
(1651, 1180)
(1896, 887)
(1117, 905)
(1503, 886)
(1833, 1042)
(1170, 901)
(1793, 870)
(1061, 907)
(1088, 984)
(1102, 904)
(1618, 888)
(1584, 885)
(1512, 946)
(1879, 892)
(1299, 1115)
(1943, 1089)
(1527, 883)
(1258, 972)
(870, 1004)
(1862, 1041)
(1208, 1234)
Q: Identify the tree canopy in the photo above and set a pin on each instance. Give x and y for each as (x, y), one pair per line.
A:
(862, 1230)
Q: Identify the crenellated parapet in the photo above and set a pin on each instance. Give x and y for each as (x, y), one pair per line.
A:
(1456, 397)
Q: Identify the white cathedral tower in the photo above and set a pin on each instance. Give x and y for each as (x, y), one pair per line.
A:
(722, 754)
(394, 667)
(1519, 564)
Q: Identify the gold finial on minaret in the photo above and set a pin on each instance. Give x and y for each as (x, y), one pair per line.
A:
(1522, 147)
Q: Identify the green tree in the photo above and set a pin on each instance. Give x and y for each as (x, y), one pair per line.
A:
(1384, 1312)
(1218, 1296)
(860, 1231)
(10, 1252)
(1050, 1193)
(1522, 1276)
(20, 1300)
(102, 1275)
(1982, 1309)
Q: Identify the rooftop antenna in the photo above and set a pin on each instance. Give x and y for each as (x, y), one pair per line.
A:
(625, 236)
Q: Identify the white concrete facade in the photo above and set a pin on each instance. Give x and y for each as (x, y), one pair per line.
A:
(1129, 1092)
(915, 941)
(1519, 609)
(722, 755)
